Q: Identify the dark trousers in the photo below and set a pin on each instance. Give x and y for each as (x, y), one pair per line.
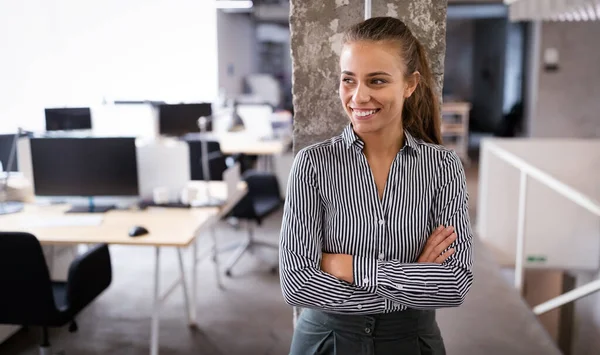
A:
(410, 332)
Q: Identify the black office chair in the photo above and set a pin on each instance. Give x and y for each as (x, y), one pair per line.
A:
(263, 198)
(28, 297)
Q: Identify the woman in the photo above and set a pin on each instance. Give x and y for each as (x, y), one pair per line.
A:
(367, 244)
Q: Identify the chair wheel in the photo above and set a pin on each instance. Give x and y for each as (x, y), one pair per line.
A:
(228, 273)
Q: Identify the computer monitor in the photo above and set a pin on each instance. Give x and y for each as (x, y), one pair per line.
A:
(216, 160)
(84, 167)
(6, 144)
(180, 119)
(68, 119)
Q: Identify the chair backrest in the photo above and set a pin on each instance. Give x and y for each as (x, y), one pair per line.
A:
(262, 184)
(89, 275)
(263, 192)
(25, 287)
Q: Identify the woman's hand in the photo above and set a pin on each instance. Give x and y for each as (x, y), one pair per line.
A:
(440, 240)
(338, 265)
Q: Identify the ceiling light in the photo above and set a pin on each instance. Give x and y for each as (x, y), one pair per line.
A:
(234, 4)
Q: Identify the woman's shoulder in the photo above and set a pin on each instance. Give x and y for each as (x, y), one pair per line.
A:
(327, 146)
(437, 154)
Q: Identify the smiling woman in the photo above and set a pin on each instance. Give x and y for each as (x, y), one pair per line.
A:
(376, 233)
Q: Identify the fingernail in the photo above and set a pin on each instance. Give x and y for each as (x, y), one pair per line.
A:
(449, 229)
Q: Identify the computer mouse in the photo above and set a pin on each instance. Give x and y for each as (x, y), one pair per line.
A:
(137, 231)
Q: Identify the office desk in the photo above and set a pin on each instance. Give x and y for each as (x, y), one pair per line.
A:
(168, 227)
(240, 142)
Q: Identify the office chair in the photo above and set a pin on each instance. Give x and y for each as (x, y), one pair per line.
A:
(30, 298)
(263, 198)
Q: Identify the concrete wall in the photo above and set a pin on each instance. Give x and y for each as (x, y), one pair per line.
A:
(236, 42)
(568, 104)
(317, 27)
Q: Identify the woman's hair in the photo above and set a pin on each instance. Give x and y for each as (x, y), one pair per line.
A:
(421, 112)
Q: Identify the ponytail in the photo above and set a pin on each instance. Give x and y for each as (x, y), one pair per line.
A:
(421, 111)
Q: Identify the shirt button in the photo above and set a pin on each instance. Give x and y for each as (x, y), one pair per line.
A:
(368, 330)
(366, 280)
(381, 256)
(381, 222)
(359, 306)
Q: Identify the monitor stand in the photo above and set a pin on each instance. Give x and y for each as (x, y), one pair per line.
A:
(90, 208)
(8, 207)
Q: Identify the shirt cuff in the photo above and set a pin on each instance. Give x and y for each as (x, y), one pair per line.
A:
(409, 278)
(365, 271)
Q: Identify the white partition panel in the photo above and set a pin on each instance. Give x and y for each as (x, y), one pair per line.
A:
(562, 215)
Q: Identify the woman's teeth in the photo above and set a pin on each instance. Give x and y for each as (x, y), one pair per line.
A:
(364, 113)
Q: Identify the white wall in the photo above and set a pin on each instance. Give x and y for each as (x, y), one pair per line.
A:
(237, 50)
(567, 99)
(69, 52)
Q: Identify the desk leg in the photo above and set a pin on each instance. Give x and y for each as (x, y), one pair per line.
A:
(194, 290)
(215, 257)
(186, 296)
(157, 301)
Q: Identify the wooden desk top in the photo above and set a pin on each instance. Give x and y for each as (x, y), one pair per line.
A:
(240, 142)
(167, 226)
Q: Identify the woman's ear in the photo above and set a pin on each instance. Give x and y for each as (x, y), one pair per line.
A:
(411, 84)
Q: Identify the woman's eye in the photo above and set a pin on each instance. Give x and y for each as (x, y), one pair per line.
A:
(378, 81)
(347, 80)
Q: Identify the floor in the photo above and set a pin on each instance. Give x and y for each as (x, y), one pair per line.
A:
(249, 316)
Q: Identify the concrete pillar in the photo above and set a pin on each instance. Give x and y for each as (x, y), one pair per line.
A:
(316, 29)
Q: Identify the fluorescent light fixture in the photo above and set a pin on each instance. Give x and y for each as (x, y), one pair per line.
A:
(234, 4)
(569, 16)
(562, 17)
(598, 9)
(584, 14)
(591, 12)
(576, 16)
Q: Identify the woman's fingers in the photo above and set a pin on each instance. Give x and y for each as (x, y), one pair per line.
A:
(440, 259)
(437, 237)
(439, 249)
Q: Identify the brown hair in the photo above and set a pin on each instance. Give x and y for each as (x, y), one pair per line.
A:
(421, 112)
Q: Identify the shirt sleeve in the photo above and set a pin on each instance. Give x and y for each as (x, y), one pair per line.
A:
(303, 282)
(425, 285)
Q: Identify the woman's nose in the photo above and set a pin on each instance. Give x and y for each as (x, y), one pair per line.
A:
(361, 94)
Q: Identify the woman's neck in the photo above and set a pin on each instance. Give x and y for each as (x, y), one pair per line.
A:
(384, 143)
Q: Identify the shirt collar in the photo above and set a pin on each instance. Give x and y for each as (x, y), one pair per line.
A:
(352, 139)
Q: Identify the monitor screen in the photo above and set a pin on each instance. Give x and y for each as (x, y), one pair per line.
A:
(180, 119)
(216, 160)
(6, 143)
(84, 166)
(67, 119)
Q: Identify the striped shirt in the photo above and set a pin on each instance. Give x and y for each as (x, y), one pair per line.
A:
(332, 206)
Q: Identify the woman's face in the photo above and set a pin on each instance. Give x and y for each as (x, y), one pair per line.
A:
(373, 85)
